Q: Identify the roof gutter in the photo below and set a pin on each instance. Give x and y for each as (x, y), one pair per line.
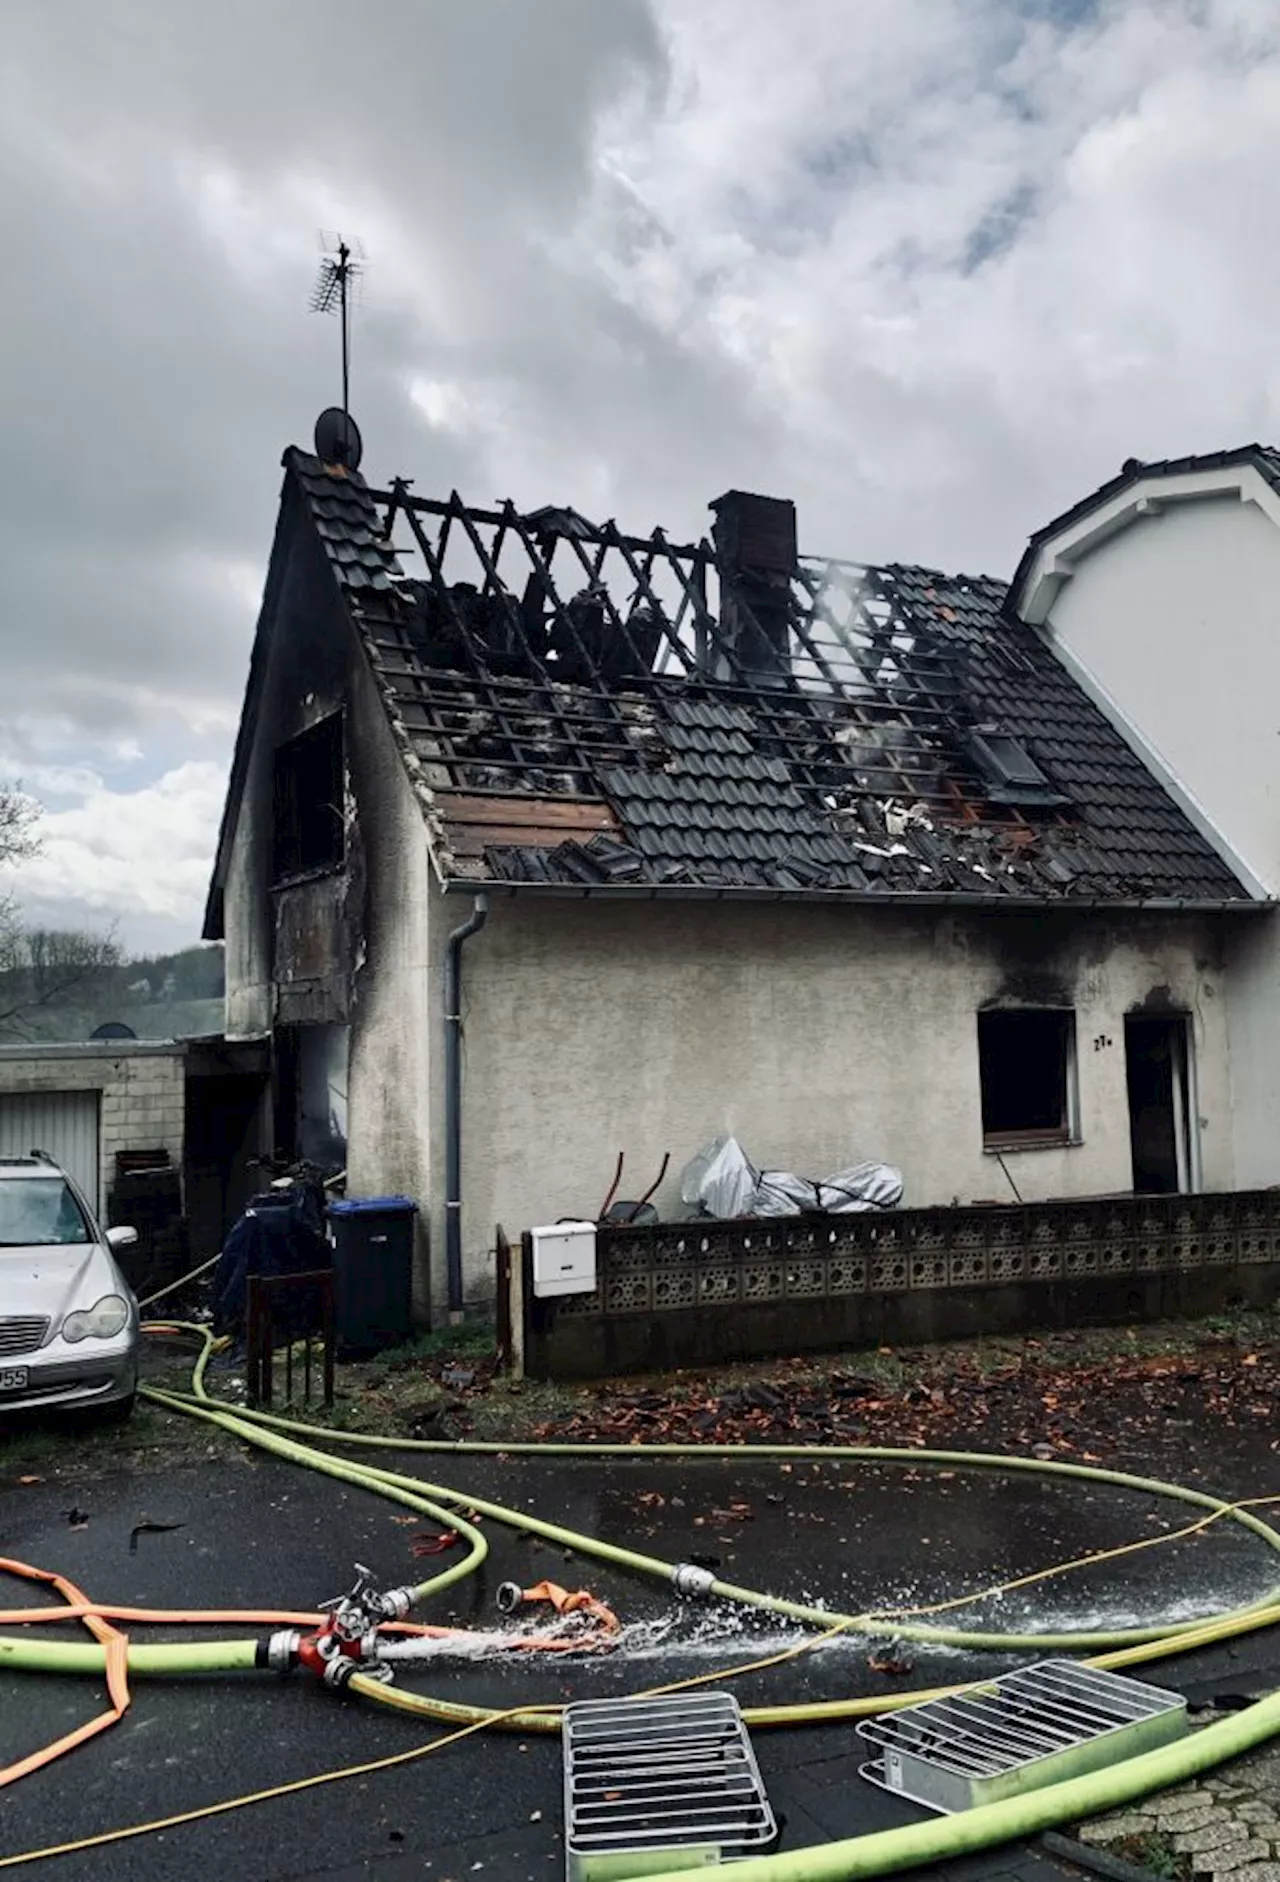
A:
(863, 898)
(453, 1101)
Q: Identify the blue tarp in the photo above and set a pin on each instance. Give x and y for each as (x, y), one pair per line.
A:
(280, 1232)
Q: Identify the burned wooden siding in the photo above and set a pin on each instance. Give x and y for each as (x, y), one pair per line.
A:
(312, 953)
(291, 943)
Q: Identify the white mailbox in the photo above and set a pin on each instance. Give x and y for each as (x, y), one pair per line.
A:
(564, 1259)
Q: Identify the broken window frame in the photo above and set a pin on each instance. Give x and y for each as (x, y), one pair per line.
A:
(308, 810)
(1005, 1136)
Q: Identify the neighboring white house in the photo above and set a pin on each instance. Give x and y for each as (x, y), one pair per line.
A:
(1160, 593)
(544, 842)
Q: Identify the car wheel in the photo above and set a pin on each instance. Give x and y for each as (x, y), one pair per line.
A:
(119, 1411)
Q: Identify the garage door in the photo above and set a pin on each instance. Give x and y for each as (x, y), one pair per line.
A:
(65, 1123)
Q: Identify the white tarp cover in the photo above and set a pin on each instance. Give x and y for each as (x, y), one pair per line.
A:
(723, 1181)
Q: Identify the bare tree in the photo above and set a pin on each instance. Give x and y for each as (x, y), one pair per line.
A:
(39, 967)
(44, 967)
(18, 841)
(18, 816)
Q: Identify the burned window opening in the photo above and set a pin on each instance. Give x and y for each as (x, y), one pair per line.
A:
(1026, 1061)
(309, 825)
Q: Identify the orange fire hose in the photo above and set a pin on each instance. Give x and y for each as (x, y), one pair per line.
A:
(117, 1652)
(580, 1602)
(269, 1617)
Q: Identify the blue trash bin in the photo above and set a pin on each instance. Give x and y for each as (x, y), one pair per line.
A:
(372, 1272)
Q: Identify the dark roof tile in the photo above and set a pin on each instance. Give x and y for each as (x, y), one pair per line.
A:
(715, 783)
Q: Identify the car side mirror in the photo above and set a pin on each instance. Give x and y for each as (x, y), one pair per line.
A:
(121, 1238)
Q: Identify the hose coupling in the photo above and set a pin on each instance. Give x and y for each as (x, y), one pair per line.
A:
(281, 1653)
(692, 1582)
(355, 1613)
(338, 1672)
(509, 1597)
(392, 1605)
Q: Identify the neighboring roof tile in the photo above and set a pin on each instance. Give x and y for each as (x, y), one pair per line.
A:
(848, 775)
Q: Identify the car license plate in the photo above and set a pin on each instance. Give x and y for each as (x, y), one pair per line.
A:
(13, 1378)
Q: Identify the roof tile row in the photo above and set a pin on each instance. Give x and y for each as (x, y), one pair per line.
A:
(708, 791)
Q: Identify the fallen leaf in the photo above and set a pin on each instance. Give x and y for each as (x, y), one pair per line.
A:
(31, 1480)
(890, 1663)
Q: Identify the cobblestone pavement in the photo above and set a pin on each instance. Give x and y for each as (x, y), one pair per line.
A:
(1224, 1827)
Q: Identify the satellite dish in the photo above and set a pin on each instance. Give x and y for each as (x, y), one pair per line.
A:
(338, 438)
(113, 1029)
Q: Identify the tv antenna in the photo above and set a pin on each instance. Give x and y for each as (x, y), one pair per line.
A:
(334, 293)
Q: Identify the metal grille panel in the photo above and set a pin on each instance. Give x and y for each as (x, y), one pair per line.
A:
(1037, 1726)
(649, 1775)
(21, 1335)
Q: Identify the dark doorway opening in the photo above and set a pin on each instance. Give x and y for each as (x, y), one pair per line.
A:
(310, 1094)
(1157, 1059)
(225, 1120)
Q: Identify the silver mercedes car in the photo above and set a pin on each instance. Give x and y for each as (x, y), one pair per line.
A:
(68, 1319)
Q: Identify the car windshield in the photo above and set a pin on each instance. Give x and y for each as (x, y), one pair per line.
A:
(40, 1212)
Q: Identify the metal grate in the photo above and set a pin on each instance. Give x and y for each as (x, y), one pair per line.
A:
(1038, 1726)
(644, 1777)
(21, 1335)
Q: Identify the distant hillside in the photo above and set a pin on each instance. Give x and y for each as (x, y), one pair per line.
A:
(197, 973)
(166, 996)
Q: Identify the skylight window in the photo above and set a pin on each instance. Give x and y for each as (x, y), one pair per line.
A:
(1007, 768)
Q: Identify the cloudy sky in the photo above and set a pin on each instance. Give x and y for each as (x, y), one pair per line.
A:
(933, 268)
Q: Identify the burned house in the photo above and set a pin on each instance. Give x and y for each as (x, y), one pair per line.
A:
(545, 841)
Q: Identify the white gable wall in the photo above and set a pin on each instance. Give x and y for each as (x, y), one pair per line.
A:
(1174, 623)
(1177, 618)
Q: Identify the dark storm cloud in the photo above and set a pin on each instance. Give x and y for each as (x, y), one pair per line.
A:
(164, 170)
(933, 268)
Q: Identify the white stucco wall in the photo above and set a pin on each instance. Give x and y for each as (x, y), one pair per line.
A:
(1177, 619)
(819, 1036)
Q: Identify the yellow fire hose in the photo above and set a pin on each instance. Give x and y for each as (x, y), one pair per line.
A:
(865, 1856)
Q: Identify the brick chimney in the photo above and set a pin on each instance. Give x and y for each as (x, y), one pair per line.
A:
(755, 544)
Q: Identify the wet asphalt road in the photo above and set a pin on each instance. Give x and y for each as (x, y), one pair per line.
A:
(259, 1532)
